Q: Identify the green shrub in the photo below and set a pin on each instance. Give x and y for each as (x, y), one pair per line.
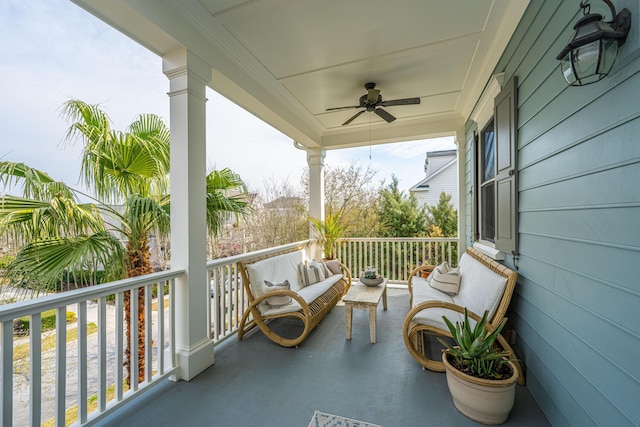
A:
(48, 320)
(81, 278)
(5, 260)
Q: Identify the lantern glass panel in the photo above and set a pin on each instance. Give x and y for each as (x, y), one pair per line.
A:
(609, 53)
(586, 59)
(567, 69)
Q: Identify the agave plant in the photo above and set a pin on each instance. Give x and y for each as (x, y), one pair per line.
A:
(474, 352)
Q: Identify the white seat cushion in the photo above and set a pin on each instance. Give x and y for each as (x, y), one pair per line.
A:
(308, 294)
(433, 316)
(480, 288)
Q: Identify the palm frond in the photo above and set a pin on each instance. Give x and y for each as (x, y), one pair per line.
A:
(142, 216)
(40, 265)
(88, 121)
(225, 179)
(226, 197)
(26, 219)
(119, 164)
(35, 183)
(152, 129)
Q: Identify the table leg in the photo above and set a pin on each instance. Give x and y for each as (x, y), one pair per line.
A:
(348, 313)
(384, 298)
(372, 323)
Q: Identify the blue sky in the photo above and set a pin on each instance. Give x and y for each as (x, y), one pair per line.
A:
(54, 51)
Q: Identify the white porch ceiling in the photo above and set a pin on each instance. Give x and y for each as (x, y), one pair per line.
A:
(287, 61)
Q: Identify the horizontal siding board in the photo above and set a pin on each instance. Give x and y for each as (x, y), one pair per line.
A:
(540, 62)
(559, 378)
(516, 49)
(611, 226)
(621, 265)
(610, 99)
(612, 187)
(552, 412)
(608, 395)
(621, 106)
(616, 147)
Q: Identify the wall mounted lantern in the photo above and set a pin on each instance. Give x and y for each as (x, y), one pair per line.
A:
(593, 46)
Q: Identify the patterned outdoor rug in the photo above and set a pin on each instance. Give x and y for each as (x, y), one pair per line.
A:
(320, 419)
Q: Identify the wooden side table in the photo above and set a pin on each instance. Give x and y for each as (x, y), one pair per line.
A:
(365, 298)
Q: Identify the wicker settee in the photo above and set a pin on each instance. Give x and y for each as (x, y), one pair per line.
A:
(308, 303)
(485, 284)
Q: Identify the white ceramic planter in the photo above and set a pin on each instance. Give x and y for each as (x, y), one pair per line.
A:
(484, 401)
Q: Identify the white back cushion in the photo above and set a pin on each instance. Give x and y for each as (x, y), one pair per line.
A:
(480, 288)
(276, 269)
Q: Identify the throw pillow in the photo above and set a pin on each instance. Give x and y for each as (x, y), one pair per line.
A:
(445, 279)
(325, 269)
(278, 300)
(311, 273)
(334, 266)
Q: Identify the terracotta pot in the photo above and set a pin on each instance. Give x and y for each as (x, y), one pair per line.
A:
(424, 274)
(484, 401)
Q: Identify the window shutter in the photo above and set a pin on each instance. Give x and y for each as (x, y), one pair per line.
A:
(506, 124)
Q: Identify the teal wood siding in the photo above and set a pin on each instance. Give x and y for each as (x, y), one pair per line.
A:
(576, 310)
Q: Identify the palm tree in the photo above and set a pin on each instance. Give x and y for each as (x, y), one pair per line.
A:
(123, 169)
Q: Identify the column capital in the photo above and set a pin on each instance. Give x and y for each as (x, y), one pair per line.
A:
(316, 156)
(461, 140)
(185, 71)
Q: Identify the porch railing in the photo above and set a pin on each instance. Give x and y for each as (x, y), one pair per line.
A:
(395, 258)
(34, 384)
(77, 367)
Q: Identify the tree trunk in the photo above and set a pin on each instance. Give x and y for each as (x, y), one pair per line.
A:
(139, 264)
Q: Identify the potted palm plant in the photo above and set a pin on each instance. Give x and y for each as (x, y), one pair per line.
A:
(481, 378)
(328, 232)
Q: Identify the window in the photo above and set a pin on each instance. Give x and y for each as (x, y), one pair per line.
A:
(494, 186)
(487, 170)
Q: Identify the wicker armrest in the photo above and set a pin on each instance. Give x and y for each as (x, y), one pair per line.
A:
(347, 274)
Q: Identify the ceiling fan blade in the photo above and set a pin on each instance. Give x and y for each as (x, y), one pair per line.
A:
(372, 95)
(353, 118)
(404, 101)
(343, 108)
(382, 113)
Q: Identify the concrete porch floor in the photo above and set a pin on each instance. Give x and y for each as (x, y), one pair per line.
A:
(257, 383)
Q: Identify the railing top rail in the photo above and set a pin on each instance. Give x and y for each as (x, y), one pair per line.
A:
(399, 239)
(256, 254)
(37, 305)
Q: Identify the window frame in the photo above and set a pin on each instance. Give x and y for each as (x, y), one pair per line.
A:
(497, 106)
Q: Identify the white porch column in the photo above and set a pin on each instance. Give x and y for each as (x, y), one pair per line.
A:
(315, 160)
(188, 76)
(461, 142)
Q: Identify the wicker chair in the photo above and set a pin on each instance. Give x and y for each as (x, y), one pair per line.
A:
(415, 331)
(310, 313)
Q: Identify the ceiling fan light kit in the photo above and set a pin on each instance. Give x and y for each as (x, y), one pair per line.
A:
(372, 102)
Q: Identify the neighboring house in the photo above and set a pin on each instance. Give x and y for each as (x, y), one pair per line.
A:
(441, 169)
(284, 203)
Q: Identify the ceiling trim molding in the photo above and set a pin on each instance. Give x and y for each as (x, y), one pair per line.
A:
(484, 108)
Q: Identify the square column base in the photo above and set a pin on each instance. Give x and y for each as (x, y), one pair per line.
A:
(193, 361)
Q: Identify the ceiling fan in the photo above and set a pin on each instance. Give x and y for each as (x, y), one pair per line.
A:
(372, 101)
